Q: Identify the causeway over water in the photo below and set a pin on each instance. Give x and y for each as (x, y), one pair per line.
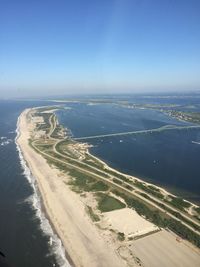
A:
(163, 128)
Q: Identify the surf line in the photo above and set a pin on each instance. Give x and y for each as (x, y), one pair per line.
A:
(35, 200)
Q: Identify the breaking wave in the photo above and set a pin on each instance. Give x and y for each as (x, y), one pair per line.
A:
(55, 243)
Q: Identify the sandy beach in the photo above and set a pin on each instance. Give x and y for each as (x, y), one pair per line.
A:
(79, 235)
(85, 243)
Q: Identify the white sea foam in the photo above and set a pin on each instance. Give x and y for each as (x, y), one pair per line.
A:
(55, 243)
(5, 141)
(194, 142)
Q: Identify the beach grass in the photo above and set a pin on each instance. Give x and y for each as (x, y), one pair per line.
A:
(87, 177)
(107, 203)
(93, 216)
(99, 186)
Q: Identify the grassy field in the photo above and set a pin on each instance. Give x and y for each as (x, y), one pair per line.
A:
(80, 181)
(107, 203)
(179, 203)
(99, 186)
(86, 178)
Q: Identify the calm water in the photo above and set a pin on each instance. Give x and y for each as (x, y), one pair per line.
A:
(24, 232)
(166, 158)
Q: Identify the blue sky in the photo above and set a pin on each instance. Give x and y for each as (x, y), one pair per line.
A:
(98, 46)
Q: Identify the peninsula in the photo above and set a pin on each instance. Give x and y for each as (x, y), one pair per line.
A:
(102, 216)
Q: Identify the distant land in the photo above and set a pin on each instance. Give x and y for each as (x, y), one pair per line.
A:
(100, 212)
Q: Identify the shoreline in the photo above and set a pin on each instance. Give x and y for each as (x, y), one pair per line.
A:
(162, 189)
(168, 190)
(38, 205)
(79, 236)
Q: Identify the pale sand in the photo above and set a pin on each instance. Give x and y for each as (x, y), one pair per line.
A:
(81, 239)
(127, 221)
(163, 250)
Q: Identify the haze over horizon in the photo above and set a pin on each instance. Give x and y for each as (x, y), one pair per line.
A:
(87, 47)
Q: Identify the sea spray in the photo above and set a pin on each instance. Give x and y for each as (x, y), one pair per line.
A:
(35, 200)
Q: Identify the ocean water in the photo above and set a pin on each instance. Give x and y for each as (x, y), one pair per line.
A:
(25, 233)
(169, 158)
(165, 158)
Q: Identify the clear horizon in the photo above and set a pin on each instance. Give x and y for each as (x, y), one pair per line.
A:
(98, 47)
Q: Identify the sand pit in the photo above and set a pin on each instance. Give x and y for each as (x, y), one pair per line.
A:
(127, 221)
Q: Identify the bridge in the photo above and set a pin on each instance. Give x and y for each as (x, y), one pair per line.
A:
(163, 128)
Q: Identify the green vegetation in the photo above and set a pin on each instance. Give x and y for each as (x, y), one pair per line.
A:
(30, 141)
(45, 116)
(107, 203)
(58, 132)
(78, 164)
(93, 216)
(176, 202)
(117, 175)
(120, 236)
(86, 175)
(99, 186)
(62, 147)
(143, 209)
(80, 181)
(186, 116)
(175, 213)
(196, 217)
(184, 232)
(149, 189)
(89, 159)
(128, 187)
(117, 181)
(197, 209)
(44, 147)
(160, 219)
(44, 126)
(85, 183)
(61, 166)
(179, 203)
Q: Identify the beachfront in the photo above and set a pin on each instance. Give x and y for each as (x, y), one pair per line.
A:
(86, 244)
(80, 237)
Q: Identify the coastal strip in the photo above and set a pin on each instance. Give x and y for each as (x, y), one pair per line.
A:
(79, 235)
(98, 212)
(36, 202)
